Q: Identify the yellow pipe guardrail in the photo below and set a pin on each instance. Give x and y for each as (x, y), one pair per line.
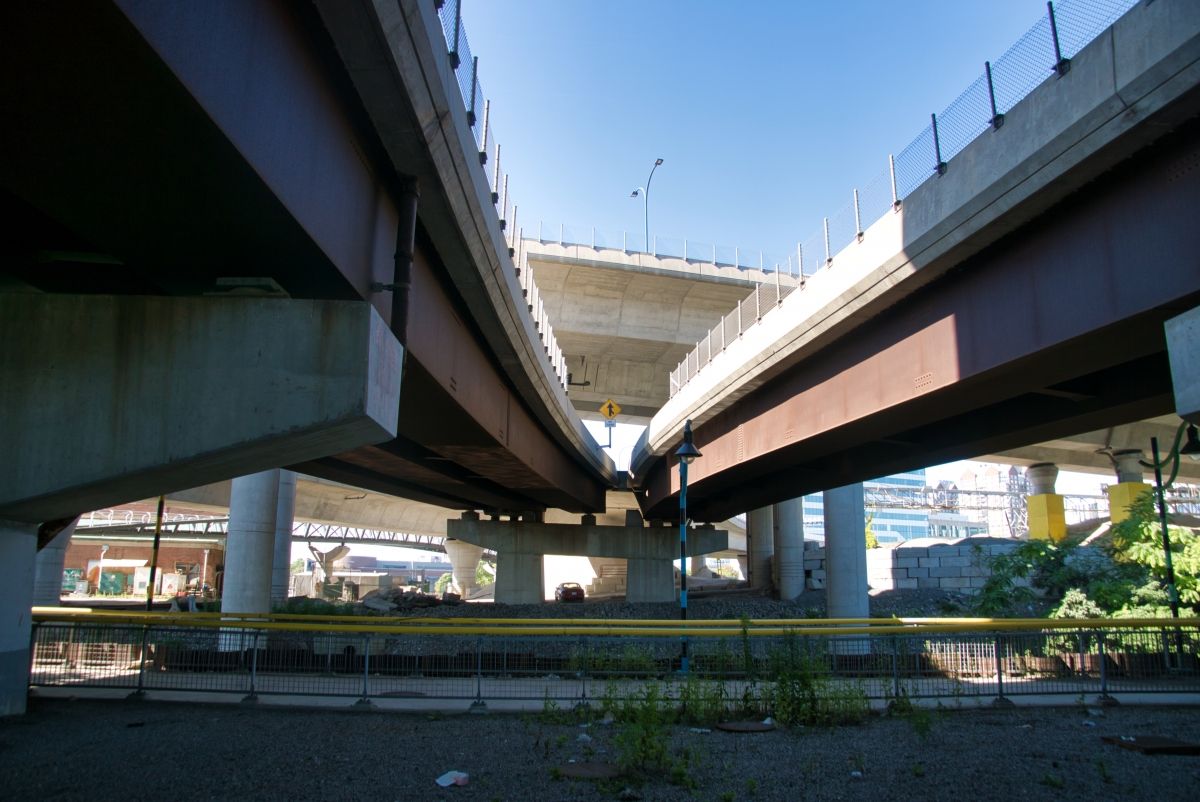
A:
(636, 627)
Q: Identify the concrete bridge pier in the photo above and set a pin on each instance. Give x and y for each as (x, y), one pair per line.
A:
(285, 515)
(464, 563)
(18, 550)
(519, 545)
(760, 542)
(1128, 466)
(846, 560)
(1047, 516)
(788, 528)
(48, 568)
(250, 543)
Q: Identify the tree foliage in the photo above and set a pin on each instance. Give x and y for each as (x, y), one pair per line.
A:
(1138, 540)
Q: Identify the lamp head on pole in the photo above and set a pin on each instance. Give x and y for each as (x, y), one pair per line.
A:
(687, 452)
(1192, 447)
(657, 162)
(636, 192)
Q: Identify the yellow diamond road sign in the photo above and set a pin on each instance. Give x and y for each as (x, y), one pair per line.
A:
(609, 409)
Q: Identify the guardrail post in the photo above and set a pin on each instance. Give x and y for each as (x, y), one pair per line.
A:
(1001, 700)
(140, 693)
(857, 219)
(252, 696)
(895, 667)
(736, 257)
(496, 181)
(474, 88)
(364, 700)
(940, 166)
(997, 118)
(1061, 65)
(454, 59)
(685, 250)
(593, 238)
(561, 227)
(714, 259)
(1104, 698)
(583, 704)
(478, 706)
(828, 255)
(625, 242)
(483, 136)
(504, 204)
(892, 171)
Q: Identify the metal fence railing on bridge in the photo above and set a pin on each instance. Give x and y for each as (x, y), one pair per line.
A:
(478, 109)
(1045, 50)
(581, 661)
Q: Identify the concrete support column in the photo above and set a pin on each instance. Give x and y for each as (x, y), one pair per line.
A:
(1129, 483)
(760, 542)
(48, 568)
(285, 516)
(464, 563)
(18, 550)
(519, 577)
(699, 566)
(650, 580)
(744, 565)
(846, 553)
(1183, 350)
(789, 547)
(250, 544)
(1047, 515)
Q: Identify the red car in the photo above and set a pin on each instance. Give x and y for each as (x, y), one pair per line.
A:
(569, 592)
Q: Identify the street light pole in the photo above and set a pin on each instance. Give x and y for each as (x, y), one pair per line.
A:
(686, 453)
(646, 201)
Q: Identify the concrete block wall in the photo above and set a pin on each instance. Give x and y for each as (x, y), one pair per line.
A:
(958, 565)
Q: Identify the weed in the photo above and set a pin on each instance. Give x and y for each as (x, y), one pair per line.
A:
(1052, 781)
(727, 796)
(556, 773)
(751, 787)
(1103, 769)
(918, 770)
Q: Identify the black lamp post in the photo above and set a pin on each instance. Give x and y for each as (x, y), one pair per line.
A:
(686, 453)
(645, 192)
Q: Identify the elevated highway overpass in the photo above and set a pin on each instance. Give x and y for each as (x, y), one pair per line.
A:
(1018, 298)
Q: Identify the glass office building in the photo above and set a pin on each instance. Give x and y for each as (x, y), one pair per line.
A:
(890, 525)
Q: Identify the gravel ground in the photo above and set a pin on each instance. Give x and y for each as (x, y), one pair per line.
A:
(100, 750)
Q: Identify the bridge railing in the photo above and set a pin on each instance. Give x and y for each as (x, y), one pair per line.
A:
(611, 662)
(1046, 49)
(478, 108)
(689, 250)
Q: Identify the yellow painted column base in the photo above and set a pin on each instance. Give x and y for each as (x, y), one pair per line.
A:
(1120, 496)
(1047, 517)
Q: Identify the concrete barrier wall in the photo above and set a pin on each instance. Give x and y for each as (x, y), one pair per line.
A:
(957, 565)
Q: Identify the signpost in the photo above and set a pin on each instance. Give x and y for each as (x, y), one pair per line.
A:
(610, 410)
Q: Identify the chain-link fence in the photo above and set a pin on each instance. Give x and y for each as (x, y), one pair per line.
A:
(571, 664)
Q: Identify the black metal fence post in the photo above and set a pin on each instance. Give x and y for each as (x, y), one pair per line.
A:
(252, 696)
(940, 166)
(1061, 65)
(364, 700)
(474, 90)
(997, 118)
(478, 706)
(1001, 700)
(454, 59)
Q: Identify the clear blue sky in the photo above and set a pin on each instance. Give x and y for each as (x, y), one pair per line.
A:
(767, 114)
